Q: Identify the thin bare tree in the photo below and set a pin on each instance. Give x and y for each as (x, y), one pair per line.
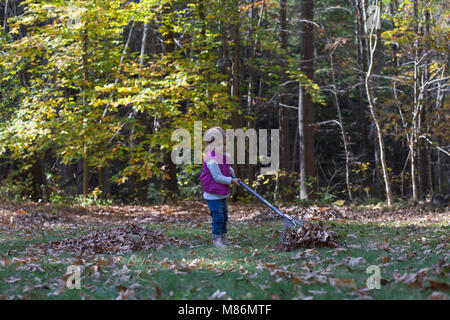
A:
(305, 103)
(373, 39)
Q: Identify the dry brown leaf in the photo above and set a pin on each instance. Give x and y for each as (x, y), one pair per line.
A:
(336, 282)
(440, 286)
(12, 280)
(436, 295)
(415, 281)
(158, 292)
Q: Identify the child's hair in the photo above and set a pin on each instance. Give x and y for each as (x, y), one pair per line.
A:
(215, 131)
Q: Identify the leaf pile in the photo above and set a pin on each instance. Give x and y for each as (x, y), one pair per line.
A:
(36, 219)
(118, 239)
(309, 235)
(314, 212)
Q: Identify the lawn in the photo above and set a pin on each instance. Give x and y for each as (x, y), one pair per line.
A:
(409, 247)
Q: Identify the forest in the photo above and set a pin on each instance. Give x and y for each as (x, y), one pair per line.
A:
(91, 91)
(354, 94)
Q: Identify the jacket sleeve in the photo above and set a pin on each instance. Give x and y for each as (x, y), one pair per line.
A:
(217, 175)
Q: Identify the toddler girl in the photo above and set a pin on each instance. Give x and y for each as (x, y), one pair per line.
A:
(216, 180)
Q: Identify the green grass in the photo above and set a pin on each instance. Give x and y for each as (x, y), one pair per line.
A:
(240, 271)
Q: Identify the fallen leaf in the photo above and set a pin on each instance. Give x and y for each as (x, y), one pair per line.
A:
(336, 282)
(436, 295)
(436, 285)
(158, 292)
(353, 262)
(219, 295)
(316, 292)
(415, 281)
(12, 280)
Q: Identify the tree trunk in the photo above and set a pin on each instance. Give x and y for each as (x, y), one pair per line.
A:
(362, 63)
(144, 117)
(85, 44)
(170, 169)
(38, 180)
(415, 117)
(284, 111)
(66, 175)
(426, 150)
(79, 177)
(5, 18)
(144, 44)
(382, 155)
(85, 177)
(344, 135)
(236, 92)
(308, 184)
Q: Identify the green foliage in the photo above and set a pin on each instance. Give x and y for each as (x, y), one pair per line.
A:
(188, 179)
(84, 93)
(58, 199)
(325, 197)
(73, 85)
(155, 194)
(17, 186)
(94, 197)
(14, 191)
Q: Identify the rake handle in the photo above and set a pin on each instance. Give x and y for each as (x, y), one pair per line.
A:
(267, 203)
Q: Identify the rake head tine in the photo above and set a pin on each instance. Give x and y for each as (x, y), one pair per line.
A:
(287, 223)
(298, 223)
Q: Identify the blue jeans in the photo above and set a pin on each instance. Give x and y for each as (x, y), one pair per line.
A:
(219, 213)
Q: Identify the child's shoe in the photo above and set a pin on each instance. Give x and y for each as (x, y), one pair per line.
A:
(225, 240)
(218, 242)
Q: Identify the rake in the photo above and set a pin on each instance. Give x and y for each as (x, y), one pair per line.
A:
(288, 221)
